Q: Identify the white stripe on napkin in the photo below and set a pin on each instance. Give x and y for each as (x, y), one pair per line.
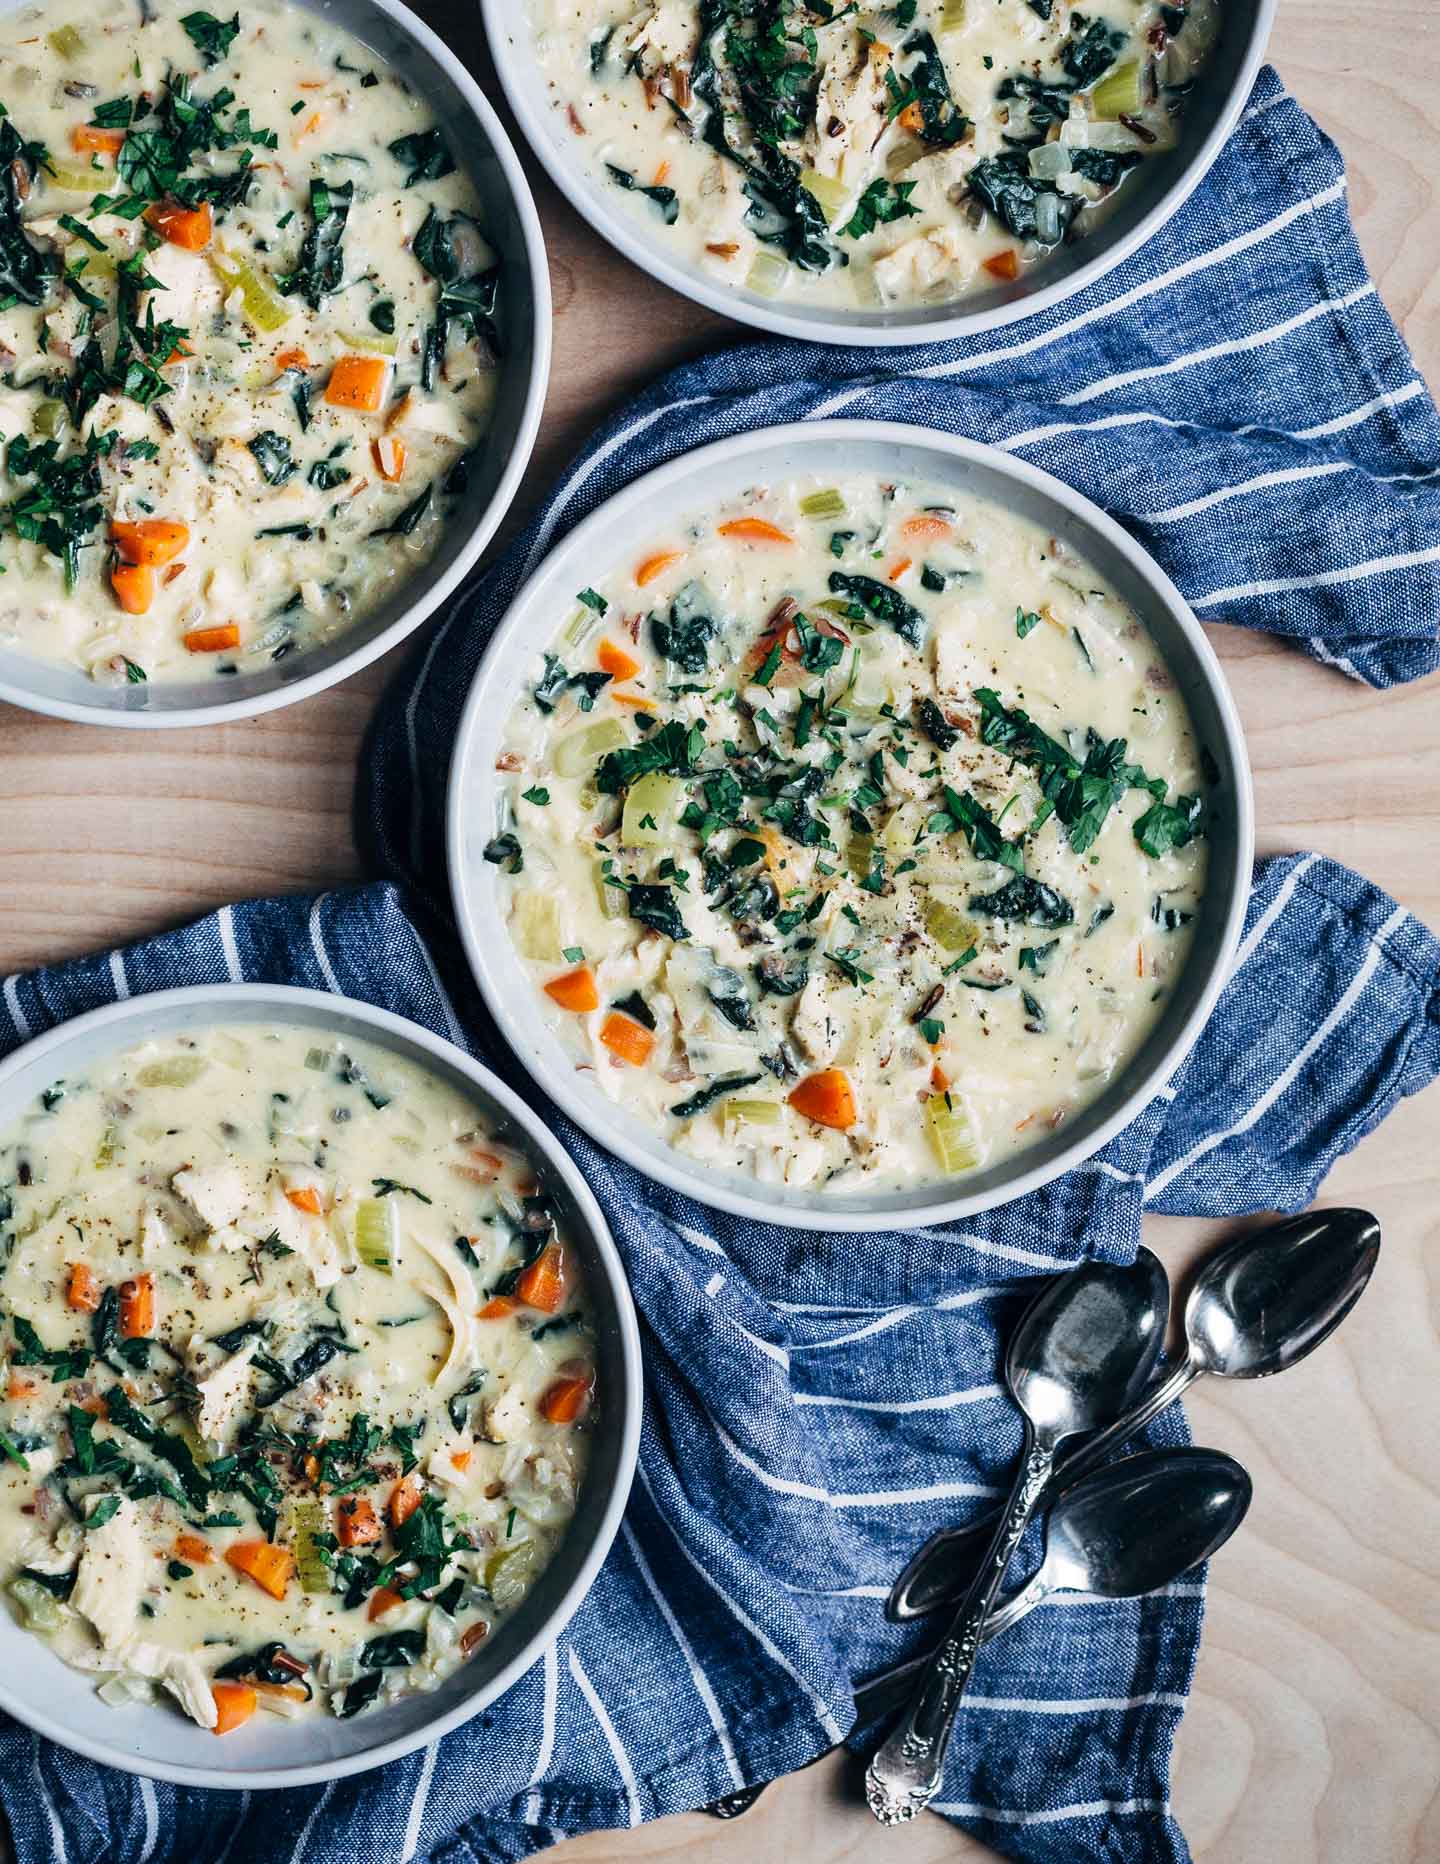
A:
(547, 1733)
(612, 1740)
(1055, 1815)
(1354, 572)
(943, 1401)
(697, 1674)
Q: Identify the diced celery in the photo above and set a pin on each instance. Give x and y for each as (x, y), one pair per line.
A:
(264, 306)
(535, 925)
(105, 1151)
(1119, 92)
(317, 1060)
(949, 1134)
(41, 1608)
(48, 419)
(612, 898)
(377, 1233)
(581, 625)
(859, 852)
(652, 811)
(767, 274)
(509, 1572)
(828, 192)
(75, 180)
(66, 41)
(949, 927)
(373, 343)
(575, 754)
(174, 1071)
(752, 1112)
(826, 504)
(307, 1520)
(952, 16)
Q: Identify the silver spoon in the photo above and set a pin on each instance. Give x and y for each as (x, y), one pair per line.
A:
(1081, 1353)
(1128, 1529)
(1258, 1305)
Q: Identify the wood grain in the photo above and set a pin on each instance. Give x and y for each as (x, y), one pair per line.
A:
(1314, 1734)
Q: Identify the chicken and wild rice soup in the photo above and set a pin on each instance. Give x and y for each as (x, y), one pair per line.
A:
(865, 156)
(247, 335)
(299, 1375)
(853, 835)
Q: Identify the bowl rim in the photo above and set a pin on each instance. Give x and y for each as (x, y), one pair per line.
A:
(412, 1036)
(588, 201)
(436, 594)
(595, 1116)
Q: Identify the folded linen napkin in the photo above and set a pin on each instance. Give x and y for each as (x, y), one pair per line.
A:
(817, 1405)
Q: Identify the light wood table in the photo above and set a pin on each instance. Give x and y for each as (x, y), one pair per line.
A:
(1314, 1733)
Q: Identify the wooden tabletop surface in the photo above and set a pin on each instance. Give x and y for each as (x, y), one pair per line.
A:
(1313, 1736)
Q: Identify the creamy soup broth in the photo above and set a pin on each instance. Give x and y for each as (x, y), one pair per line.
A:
(860, 157)
(298, 1380)
(852, 834)
(247, 331)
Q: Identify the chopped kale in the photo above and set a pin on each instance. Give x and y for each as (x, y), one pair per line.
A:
(665, 199)
(321, 267)
(1024, 901)
(684, 639)
(707, 1096)
(426, 154)
(654, 906)
(884, 603)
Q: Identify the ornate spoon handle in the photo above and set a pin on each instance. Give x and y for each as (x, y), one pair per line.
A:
(935, 1574)
(905, 1775)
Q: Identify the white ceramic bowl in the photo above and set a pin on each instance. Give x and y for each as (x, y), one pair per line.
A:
(699, 481)
(513, 227)
(1147, 202)
(41, 1691)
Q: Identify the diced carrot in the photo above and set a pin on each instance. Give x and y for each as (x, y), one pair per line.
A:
(310, 125)
(234, 1705)
(939, 1080)
(85, 139)
(1139, 960)
(306, 1197)
(271, 1567)
(1003, 265)
(476, 1635)
(568, 1398)
(213, 640)
(291, 359)
(388, 452)
(404, 1500)
(193, 1550)
(83, 1289)
(155, 541)
(656, 566)
(543, 1284)
(911, 119)
(358, 382)
(311, 1465)
(755, 531)
(383, 1599)
(630, 1040)
(616, 662)
(289, 1692)
(660, 173)
(181, 353)
(641, 702)
(576, 990)
(96, 1407)
(497, 1307)
(461, 1459)
(190, 227)
(926, 524)
(898, 569)
(137, 1307)
(827, 1098)
(20, 1387)
(134, 586)
(356, 1522)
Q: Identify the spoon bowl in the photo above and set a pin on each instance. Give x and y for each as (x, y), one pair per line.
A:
(1086, 1347)
(1268, 1299)
(1124, 1531)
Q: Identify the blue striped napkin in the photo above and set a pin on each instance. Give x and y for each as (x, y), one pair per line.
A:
(817, 1405)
